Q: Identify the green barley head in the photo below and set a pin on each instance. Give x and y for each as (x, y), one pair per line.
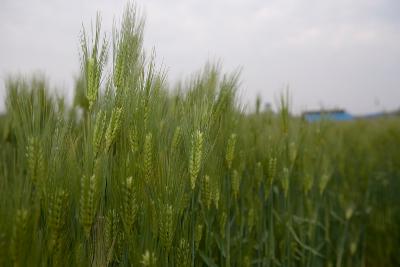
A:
(198, 235)
(222, 223)
(113, 126)
(230, 150)
(110, 231)
(134, 140)
(183, 253)
(55, 216)
(92, 85)
(259, 174)
(195, 157)
(323, 182)
(308, 183)
(148, 158)
(119, 67)
(35, 160)
(235, 183)
(271, 171)
(18, 234)
(176, 139)
(87, 203)
(206, 192)
(215, 193)
(166, 227)
(130, 205)
(98, 131)
(250, 219)
(149, 259)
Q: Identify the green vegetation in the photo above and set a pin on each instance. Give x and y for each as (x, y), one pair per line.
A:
(138, 174)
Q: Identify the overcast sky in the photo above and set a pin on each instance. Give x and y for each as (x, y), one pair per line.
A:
(337, 53)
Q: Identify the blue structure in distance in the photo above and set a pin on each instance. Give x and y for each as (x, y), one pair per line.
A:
(332, 115)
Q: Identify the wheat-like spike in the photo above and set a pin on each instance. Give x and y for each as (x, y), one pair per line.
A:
(349, 212)
(130, 206)
(222, 223)
(323, 182)
(184, 201)
(176, 139)
(195, 157)
(119, 246)
(149, 259)
(31, 159)
(246, 261)
(119, 68)
(56, 209)
(79, 254)
(259, 174)
(92, 85)
(35, 159)
(308, 183)
(166, 227)
(108, 230)
(183, 253)
(353, 247)
(250, 219)
(155, 220)
(270, 177)
(98, 131)
(271, 171)
(113, 126)
(18, 234)
(133, 140)
(230, 150)
(146, 113)
(87, 202)
(148, 158)
(215, 193)
(110, 233)
(206, 192)
(198, 235)
(235, 183)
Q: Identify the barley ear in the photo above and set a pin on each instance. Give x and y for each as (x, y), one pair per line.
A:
(230, 150)
(93, 81)
(206, 192)
(149, 259)
(130, 206)
(98, 131)
(198, 235)
(87, 203)
(148, 158)
(166, 227)
(235, 183)
(195, 157)
(113, 126)
(19, 234)
(183, 253)
(55, 217)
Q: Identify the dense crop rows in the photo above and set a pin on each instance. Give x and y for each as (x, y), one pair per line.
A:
(138, 174)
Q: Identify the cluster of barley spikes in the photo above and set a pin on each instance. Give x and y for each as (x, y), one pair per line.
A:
(137, 173)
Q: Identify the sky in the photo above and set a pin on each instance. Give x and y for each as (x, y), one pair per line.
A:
(329, 53)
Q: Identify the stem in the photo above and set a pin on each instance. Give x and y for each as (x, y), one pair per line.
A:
(192, 221)
(228, 237)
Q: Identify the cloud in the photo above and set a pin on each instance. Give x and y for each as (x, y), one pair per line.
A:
(338, 53)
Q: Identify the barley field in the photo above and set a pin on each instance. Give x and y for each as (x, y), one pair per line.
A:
(138, 173)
